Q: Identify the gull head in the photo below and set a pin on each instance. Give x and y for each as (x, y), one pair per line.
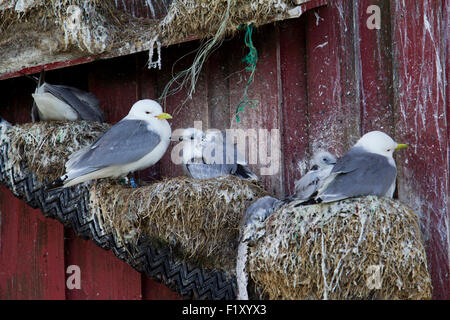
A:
(192, 134)
(380, 143)
(148, 110)
(191, 140)
(323, 159)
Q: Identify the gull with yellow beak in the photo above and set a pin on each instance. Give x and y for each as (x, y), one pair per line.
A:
(368, 168)
(136, 142)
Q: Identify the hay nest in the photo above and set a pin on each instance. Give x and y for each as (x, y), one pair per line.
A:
(364, 248)
(204, 18)
(96, 27)
(44, 147)
(198, 219)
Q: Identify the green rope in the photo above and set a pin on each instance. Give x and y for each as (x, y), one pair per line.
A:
(250, 59)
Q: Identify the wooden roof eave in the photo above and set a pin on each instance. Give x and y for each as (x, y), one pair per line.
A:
(16, 66)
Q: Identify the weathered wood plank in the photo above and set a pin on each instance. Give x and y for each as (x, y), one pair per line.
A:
(333, 78)
(217, 72)
(31, 252)
(114, 84)
(184, 111)
(33, 58)
(103, 276)
(265, 91)
(418, 60)
(153, 290)
(295, 101)
(375, 53)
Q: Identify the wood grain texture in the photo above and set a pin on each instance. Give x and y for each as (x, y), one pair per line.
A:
(419, 98)
(375, 68)
(333, 78)
(103, 276)
(294, 108)
(31, 252)
(114, 84)
(183, 109)
(265, 91)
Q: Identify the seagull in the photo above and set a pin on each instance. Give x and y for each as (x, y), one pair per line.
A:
(207, 155)
(59, 102)
(368, 168)
(192, 148)
(136, 142)
(262, 208)
(322, 164)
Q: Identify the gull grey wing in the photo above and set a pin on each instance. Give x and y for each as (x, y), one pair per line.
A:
(71, 99)
(357, 174)
(90, 100)
(206, 171)
(255, 214)
(125, 142)
(259, 210)
(240, 164)
(307, 185)
(311, 182)
(235, 161)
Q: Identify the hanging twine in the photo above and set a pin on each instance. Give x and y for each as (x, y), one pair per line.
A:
(250, 59)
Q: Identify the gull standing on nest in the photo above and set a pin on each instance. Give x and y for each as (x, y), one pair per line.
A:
(136, 142)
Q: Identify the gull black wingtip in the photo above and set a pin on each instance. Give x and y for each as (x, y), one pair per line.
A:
(308, 202)
(55, 185)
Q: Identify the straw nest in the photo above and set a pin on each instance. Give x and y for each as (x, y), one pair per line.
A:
(204, 18)
(198, 219)
(44, 147)
(96, 27)
(363, 248)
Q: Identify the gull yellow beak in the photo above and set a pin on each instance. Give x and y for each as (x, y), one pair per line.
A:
(164, 116)
(401, 146)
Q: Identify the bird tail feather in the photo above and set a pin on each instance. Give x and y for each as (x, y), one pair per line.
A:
(245, 173)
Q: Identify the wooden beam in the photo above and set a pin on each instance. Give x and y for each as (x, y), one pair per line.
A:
(420, 121)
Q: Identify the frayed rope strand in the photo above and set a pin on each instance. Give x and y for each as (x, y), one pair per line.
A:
(250, 59)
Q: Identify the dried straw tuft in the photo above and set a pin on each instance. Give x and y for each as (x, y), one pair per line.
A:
(198, 219)
(45, 146)
(363, 248)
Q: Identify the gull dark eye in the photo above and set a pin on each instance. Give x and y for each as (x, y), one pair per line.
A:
(180, 139)
(192, 137)
(147, 112)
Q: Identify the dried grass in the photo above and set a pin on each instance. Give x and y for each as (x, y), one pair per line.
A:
(187, 18)
(45, 146)
(98, 26)
(74, 25)
(198, 219)
(336, 251)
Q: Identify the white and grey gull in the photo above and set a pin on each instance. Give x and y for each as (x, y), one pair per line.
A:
(61, 102)
(368, 168)
(136, 142)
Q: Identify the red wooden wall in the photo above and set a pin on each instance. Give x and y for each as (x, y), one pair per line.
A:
(322, 79)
